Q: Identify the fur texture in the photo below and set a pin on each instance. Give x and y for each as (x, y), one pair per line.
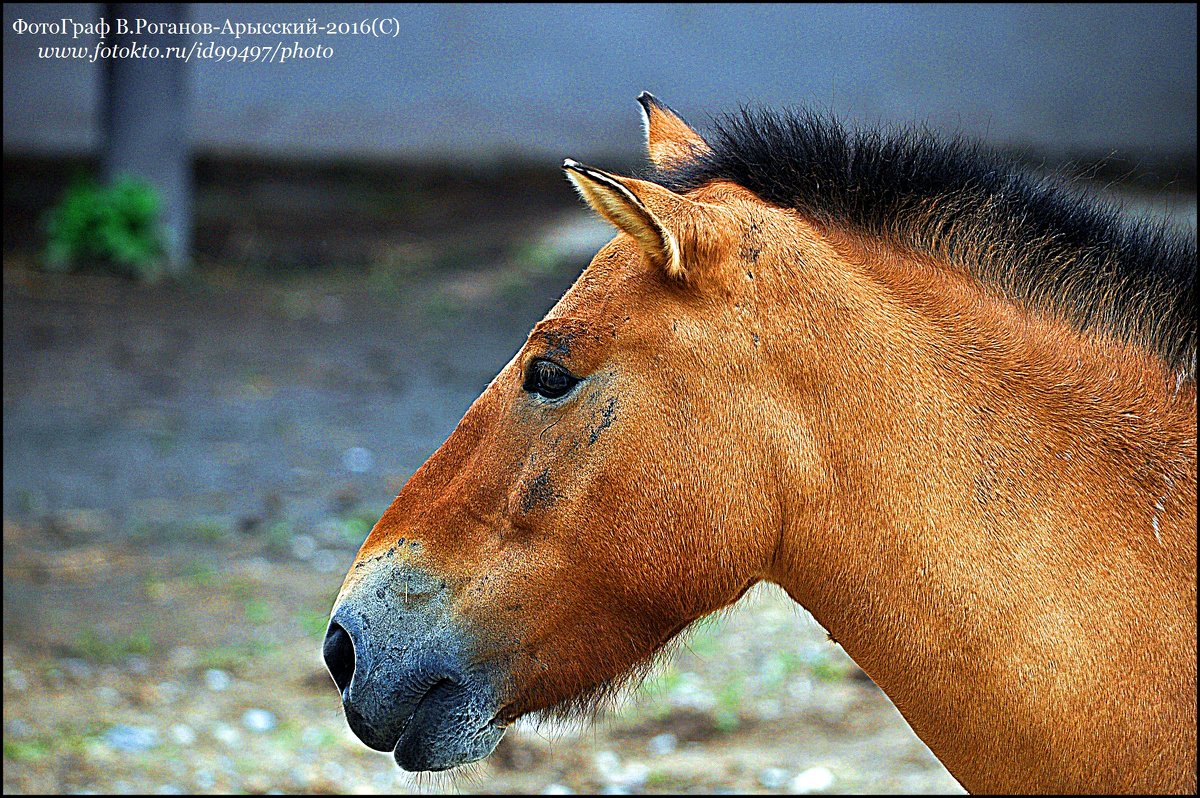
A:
(939, 405)
(1038, 241)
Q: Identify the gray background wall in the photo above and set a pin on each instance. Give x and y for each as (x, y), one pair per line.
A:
(482, 82)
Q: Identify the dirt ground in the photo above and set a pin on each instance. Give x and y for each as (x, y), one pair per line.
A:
(188, 470)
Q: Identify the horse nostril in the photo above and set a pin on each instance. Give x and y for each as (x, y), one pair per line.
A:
(339, 656)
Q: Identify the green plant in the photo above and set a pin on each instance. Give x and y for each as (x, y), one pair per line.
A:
(729, 700)
(25, 750)
(258, 612)
(209, 530)
(108, 650)
(537, 258)
(113, 226)
(200, 574)
(241, 588)
(659, 779)
(235, 656)
(662, 682)
(827, 671)
(278, 540)
(356, 527)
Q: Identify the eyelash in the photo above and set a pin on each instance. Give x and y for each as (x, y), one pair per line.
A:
(548, 379)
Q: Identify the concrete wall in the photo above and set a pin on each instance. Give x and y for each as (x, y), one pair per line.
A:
(481, 82)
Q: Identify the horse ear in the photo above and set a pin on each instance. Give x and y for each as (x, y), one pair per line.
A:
(669, 140)
(677, 235)
(626, 203)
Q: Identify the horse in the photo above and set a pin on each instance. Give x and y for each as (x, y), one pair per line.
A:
(948, 406)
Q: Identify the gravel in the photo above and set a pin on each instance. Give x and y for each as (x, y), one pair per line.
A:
(216, 680)
(663, 744)
(131, 739)
(722, 711)
(182, 734)
(226, 734)
(772, 778)
(259, 721)
(817, 779)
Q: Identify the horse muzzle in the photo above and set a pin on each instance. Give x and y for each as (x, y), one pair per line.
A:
(405, 674)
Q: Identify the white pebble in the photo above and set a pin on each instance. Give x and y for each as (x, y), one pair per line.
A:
(812, 780)
(169, 691)
(217, 680)
(634, 775)
(557, 789)
(690, 692)
(663, 744)
(800, 688)
(77, 669)
(329, 530)
(134, 739)
(303, 546)
(772, 778)
(183, 734)
(608, 764)
(258, 720)
(226, 734)
(770, 709)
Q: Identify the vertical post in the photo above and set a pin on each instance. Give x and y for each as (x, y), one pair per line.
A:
(147, 131)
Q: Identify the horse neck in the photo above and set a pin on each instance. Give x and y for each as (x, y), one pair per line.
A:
(989, 511)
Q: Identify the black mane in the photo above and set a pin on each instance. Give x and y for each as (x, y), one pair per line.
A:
(1037, 240)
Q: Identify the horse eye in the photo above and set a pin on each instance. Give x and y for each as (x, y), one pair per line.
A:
(548, 379)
